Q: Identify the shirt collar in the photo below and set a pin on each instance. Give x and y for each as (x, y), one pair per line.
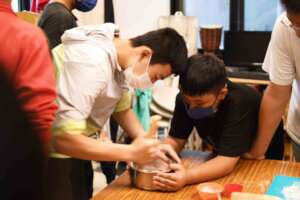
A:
(285, 20)
(115, 60)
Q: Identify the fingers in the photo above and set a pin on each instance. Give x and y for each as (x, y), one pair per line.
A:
(170, 151)
(167, 154)
(161, 155)
(153, 149)
(247, 156)
(164, 184)
(261, 157)
(165, 181)
(169, 176)
(176, 166)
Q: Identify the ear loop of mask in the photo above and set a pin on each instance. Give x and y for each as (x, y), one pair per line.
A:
(216, 101)
(147, 64)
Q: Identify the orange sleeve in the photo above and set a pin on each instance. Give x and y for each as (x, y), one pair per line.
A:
(35, 82)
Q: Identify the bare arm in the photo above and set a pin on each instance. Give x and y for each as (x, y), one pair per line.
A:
(129, 122)
(215, 168)
(274, 102)
(141, 151)
(91, 149)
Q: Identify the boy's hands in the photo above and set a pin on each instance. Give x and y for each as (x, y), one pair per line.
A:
(148, 150)
(172, 181)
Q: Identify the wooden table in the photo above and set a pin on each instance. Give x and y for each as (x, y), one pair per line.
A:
(255, 176)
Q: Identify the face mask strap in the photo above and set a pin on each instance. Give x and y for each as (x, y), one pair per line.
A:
(148, 63)
(216, 101)
(133, 66)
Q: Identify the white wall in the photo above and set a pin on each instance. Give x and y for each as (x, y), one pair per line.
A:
(94, 17)
(135, 17)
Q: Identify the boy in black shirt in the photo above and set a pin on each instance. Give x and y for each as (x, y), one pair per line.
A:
(58, 17)
(224, 115)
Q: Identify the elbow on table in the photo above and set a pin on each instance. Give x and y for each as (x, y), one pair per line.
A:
(229, 167)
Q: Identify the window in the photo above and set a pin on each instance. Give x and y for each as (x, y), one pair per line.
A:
(208, 13)
(15, 5)
(261, 15)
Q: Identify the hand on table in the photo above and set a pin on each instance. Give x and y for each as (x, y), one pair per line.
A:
(251, 156)
(172, 181)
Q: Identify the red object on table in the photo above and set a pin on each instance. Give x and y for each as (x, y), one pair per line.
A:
(232, 187)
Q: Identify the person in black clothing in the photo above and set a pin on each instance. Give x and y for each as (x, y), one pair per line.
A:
(20, 146)
(224, 115)
(58, 17)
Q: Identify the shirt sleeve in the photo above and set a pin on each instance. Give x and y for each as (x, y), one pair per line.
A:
(278, 60)
(124, 103)
(240, 125)
(55, 25)
(35, 82)
(79, 84)
(181, 124)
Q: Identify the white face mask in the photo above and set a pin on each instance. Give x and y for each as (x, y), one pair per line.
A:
(142, 81)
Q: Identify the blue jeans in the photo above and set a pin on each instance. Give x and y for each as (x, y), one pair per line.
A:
(296, 151)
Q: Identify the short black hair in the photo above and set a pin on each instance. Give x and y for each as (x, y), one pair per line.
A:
(168, 47)
(204, 74)
(292, 6)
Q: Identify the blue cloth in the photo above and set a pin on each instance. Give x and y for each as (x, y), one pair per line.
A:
(280, 182)
(142, 107)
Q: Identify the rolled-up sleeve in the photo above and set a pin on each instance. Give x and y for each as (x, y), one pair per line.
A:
(278, 60)
(124, 103)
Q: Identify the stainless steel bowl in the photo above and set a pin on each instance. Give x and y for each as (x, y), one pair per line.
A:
(143, 178)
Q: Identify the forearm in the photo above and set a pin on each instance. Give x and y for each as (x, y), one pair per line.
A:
(176, 144)
(215, 168)
(83, 147)
(129, 122)
(272, 109)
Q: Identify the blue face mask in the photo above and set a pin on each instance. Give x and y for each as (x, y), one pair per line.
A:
(85, 5)
(199, 113)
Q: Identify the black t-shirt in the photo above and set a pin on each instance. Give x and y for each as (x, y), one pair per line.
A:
(55, 20)
(231, 129)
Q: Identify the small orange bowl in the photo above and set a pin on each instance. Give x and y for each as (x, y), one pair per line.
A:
(210, 191)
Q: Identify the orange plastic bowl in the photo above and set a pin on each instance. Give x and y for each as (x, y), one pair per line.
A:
(230, 188)
(210, 191)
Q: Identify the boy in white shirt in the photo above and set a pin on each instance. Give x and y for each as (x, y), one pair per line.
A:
(282, 62)
(94, 70)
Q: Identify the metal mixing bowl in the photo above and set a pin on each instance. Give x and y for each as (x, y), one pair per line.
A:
(143, 178)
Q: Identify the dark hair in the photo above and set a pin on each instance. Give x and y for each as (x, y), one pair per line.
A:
(204, 74)
(167, 46)
(292, 6)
